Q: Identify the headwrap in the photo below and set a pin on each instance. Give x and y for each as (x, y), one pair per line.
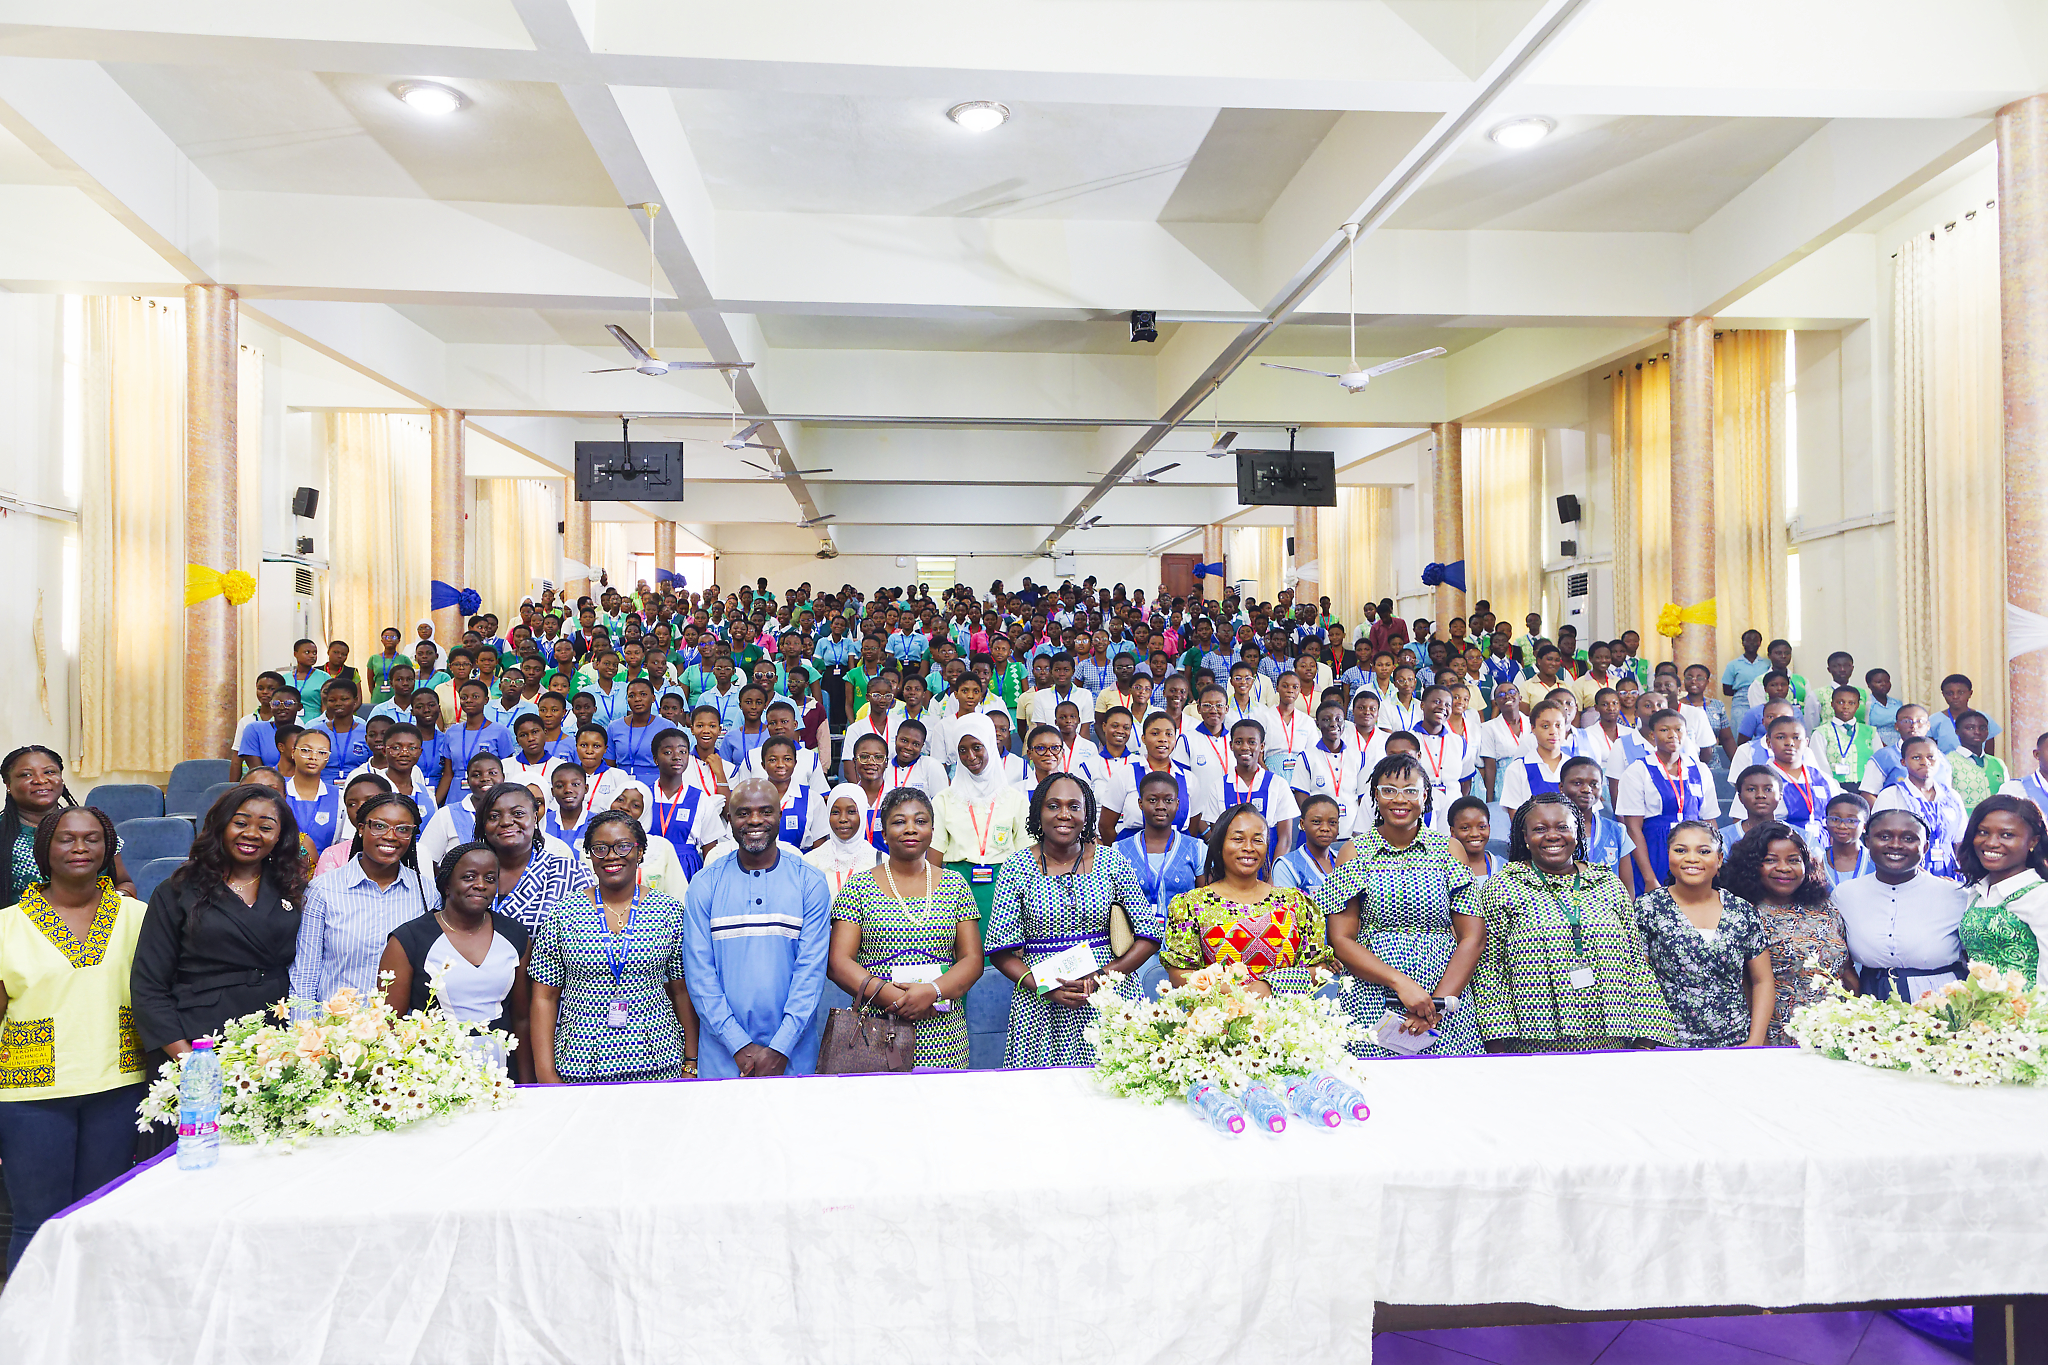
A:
(845, 855)
(982, 788)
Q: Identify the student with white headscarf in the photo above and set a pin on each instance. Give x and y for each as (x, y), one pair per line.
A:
(660, 869)
(979, 820)
(847, 852)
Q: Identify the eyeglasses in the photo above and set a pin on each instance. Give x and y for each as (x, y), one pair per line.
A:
(618, 850)
(382, 830)
(1396, 793)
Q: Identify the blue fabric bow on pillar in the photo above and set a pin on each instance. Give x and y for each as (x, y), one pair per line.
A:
(1209, 570)
(444, 595)
(1453, 574)
(670, 576)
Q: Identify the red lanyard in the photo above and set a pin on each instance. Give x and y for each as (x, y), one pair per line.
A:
(705, 779)
(895, 774)
(1216, 745)
(590, 795)
(980, 834)
(1443, 743)
(1804, 783)
(1288, 722)
(663, 820)
(1677, 784)
(1514, 730)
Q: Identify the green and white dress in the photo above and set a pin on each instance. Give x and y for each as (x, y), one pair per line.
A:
(2003, 923)
(1042, 916)
(920, 934)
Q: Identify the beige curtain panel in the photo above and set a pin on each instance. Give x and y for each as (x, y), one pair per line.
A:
(1503, 558)
(1749, 490)
(1356, 543)
(1642, 501)
(515, 543)
(378, 465)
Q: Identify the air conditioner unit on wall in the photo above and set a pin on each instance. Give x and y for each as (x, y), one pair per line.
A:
(1586, 595)
(289, 607)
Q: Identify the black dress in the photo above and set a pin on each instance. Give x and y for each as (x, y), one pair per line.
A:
(205, 958)
(494, 979)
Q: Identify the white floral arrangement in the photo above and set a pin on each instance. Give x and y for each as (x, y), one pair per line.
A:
(1987, 1029)
(1213, 1029)
(355, 1067)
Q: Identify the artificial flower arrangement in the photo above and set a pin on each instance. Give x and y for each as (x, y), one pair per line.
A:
(355, 1067)
(1213, 1029)
(1984, 1030)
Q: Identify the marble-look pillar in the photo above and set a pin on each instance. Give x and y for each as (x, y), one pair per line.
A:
(447, 516)
(1692, 484)
(1447, 500)
(2023, 306)
(1212, 553)
(664, 551)
(212, 700)
(575, 542)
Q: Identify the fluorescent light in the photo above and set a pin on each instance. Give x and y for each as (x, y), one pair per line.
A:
(979, 116)
(425, 97)
(1518, 133)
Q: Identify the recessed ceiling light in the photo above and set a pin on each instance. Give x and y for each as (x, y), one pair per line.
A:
(1518, 133)
(979, 116)
(428, 98)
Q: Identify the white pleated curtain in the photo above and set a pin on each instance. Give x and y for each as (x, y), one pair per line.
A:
(611, 549)
(1355, 542)
(1948, 422)
(515, 542)
(1503, 495)
(379, 466)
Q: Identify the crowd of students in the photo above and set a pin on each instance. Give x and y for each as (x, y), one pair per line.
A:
(640, 831)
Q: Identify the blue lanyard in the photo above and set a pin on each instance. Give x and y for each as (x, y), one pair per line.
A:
(617, 948)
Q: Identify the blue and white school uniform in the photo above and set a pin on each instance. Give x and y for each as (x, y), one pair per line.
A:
(1609, 845)
(1530, 776)
(1270, 796)
(1864, 867)
(1629, 749)
(347, 749)
(464, 744)
(802, 822)
(259, 741)
(1662, 801)
(1193, 798)
(1163, 876)
(1299, 869)
(632, 747)
(319, 815)
(684, 821)
(1337, 775)
(563, 748)
(2029, 787)
(1803, 798)
(1396, 715)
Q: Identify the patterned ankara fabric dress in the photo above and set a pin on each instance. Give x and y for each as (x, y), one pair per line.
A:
(1522, 991)
(569, 954)
(1281, 940)
(1406, 897)
(1992, 932)
(1795, 934)
(1042, 916)
(1705, 977)
(919, 934)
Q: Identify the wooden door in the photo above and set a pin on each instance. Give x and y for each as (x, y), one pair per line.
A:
(1177, 574)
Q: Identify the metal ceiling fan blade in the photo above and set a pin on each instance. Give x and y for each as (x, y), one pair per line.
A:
(1430, 354)
(827, 469)
(1162, 469)
(633, 348)
(709, 364)
(617, 369)
(1300, 370)
(739, 439)
(1221, 446)
(762, 467)
(815, 520)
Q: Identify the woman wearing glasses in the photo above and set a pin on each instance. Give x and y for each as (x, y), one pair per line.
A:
(352, 910)
(609, 1003)
(1404, 921)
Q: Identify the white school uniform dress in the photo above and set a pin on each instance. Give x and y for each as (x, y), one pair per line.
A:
(1499, 742)
(538, 774)
(1272, 796)
(1207, 757)
(1527, 775)
(865, 726)
(1014, 770)
(1445, 758)
(1594, 743)
(1337, 776)
(1396, 715)
(1204, 800)
(804, 808)
(1074, 758)
(1288, 739)
(1753, 751)
(1570, 746)
(808, 772)
(1047, 700)
(1699, 731)
(1109, 776)
(1627, 749)
(928, 775)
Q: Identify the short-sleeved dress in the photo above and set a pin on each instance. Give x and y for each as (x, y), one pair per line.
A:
(569, 954)
(1406, 899)
(1042, 916)
(1281, 940)
(1522, 992)
(1796, 933)
(1705, 977)
(918, 934)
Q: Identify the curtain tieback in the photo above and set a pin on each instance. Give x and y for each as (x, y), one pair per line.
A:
(1452, 573)
(1672, 621)
(444, 595)
(1311, 572)
(202, 583)
(1209, 570)
(2025, 631)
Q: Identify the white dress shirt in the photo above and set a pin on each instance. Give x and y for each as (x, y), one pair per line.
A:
(1909, 925)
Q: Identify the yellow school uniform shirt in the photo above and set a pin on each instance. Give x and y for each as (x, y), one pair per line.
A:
(69, 1029)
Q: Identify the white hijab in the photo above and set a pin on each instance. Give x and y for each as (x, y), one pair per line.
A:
(429, 637)
(845, 855)
(982, 788)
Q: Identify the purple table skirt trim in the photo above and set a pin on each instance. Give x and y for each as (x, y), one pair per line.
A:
(117, 1182)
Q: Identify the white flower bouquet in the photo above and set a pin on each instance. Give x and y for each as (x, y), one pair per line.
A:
(1213, 1029)
(356, 1067)
(1989, 1029)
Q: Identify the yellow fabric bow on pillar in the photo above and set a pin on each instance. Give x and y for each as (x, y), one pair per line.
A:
(202, 583)
(1672, 621)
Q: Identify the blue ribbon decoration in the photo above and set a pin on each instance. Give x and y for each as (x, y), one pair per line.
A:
(662, 576)
(1453, 574)
(1209, 570)
(441, 596)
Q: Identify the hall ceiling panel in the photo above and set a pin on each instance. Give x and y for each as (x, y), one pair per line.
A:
(933, 540)
(776, 151)
(1380, 337)
(1633, 173)
(1245, 161)
(983, 332)
(421, 23)
(673, 331)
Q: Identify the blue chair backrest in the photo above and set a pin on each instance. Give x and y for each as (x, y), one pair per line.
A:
(194, 803)
(151, 874)
(197, 774)
(126, 800)
(160, 836)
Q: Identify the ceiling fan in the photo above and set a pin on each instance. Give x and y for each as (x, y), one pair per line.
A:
(645, 359)
(1141, 477)
(807, 525)
(780, 474)
(1355, 378)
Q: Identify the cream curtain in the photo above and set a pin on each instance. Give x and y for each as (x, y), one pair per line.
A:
(1356, 544)
(1257, 553)
(1948, 422)
(132, 537)
(611, 550)
(1749, 488)
(1642, 501)
(249, 512)
(1503, 483)
(378, 465)
(515, 542)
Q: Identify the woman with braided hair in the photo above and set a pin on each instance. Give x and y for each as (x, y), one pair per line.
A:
(34, 780)
(1564, 968)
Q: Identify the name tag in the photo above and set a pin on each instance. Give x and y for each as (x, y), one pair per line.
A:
(1580, 979)
(620, 1015)
(917, 974)
(983, 874)
(1067, 965)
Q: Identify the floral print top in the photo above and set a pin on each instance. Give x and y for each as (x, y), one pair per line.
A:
(1705, 977)
(1796, 933)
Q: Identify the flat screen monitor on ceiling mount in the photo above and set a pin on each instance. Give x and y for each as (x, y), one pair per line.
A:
(1287, 478)
(645, 471)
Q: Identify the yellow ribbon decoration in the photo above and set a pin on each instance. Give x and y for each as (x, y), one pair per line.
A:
(1672, 621)
(202, 583)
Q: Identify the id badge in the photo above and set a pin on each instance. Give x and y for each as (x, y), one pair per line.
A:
(984, 874)
(1581, 979)
(620, 1015)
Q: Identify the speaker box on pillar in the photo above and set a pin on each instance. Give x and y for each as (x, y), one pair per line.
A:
(1568, 508)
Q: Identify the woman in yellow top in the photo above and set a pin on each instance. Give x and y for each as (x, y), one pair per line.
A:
(979, 820)
(70, 1060)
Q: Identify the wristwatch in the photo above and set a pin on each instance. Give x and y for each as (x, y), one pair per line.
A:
(1451, 1003)
(940, 1002)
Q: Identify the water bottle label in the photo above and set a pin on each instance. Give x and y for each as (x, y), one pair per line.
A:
(186, 1130)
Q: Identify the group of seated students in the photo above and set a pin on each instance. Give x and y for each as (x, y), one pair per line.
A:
(640, 836)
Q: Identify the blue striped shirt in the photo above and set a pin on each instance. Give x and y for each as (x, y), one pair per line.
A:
(341, 935)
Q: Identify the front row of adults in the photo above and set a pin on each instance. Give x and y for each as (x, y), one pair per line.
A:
(600, 977)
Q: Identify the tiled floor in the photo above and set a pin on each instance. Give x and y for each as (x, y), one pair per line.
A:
(1801, 1338)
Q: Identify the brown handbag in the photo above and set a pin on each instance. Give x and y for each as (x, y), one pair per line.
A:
(858, 1042)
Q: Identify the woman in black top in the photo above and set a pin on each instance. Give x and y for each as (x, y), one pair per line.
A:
(219, 938)
(479, 955)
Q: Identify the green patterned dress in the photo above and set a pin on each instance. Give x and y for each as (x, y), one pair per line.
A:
(919, 934)
(1040, 916)
(569, 953)
(1522, 991)
(1998, 925)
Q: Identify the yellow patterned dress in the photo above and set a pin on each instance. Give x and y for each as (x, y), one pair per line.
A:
(69, 1029)
(1282, 940)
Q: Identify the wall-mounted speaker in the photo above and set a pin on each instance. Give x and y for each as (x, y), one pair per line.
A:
(305, 545)
(1568, 548)
(1568, 508)
(305, 502)
(1290, 545)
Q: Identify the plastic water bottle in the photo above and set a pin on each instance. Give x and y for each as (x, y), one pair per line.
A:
(1265, 1107)
(199, 1108)
(1215, 1106)
(1311, 1103)
(1340, 1092)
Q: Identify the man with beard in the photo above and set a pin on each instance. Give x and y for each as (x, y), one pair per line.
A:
(756, 928)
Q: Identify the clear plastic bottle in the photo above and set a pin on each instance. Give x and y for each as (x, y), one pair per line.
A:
(1265, 1107)
(1340, 1092)
(199, 1108)
(1214, 1104)
(1312, 1104)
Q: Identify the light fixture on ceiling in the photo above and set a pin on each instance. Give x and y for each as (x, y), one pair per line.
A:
(979, 116)
(425, 97)
(1518, 133)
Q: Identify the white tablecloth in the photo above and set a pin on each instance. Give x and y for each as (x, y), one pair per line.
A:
(1024, 1216)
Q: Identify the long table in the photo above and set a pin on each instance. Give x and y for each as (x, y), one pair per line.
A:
(999, 1216)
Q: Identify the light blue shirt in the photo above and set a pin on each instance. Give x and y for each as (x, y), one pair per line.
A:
(504, 715)
(1884, 718)
(342, 932)
(831, 653)
(754, 945)
(907, 646)
(1942, 731)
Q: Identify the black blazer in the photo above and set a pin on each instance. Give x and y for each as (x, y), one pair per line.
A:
(204, 959)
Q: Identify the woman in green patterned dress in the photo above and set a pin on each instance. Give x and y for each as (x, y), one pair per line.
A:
(1564, 968)
(911, 928)
(2004, 853)
(1275, 932)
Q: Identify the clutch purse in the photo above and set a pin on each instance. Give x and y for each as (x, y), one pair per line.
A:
(856, 1042)
(1122, 938)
